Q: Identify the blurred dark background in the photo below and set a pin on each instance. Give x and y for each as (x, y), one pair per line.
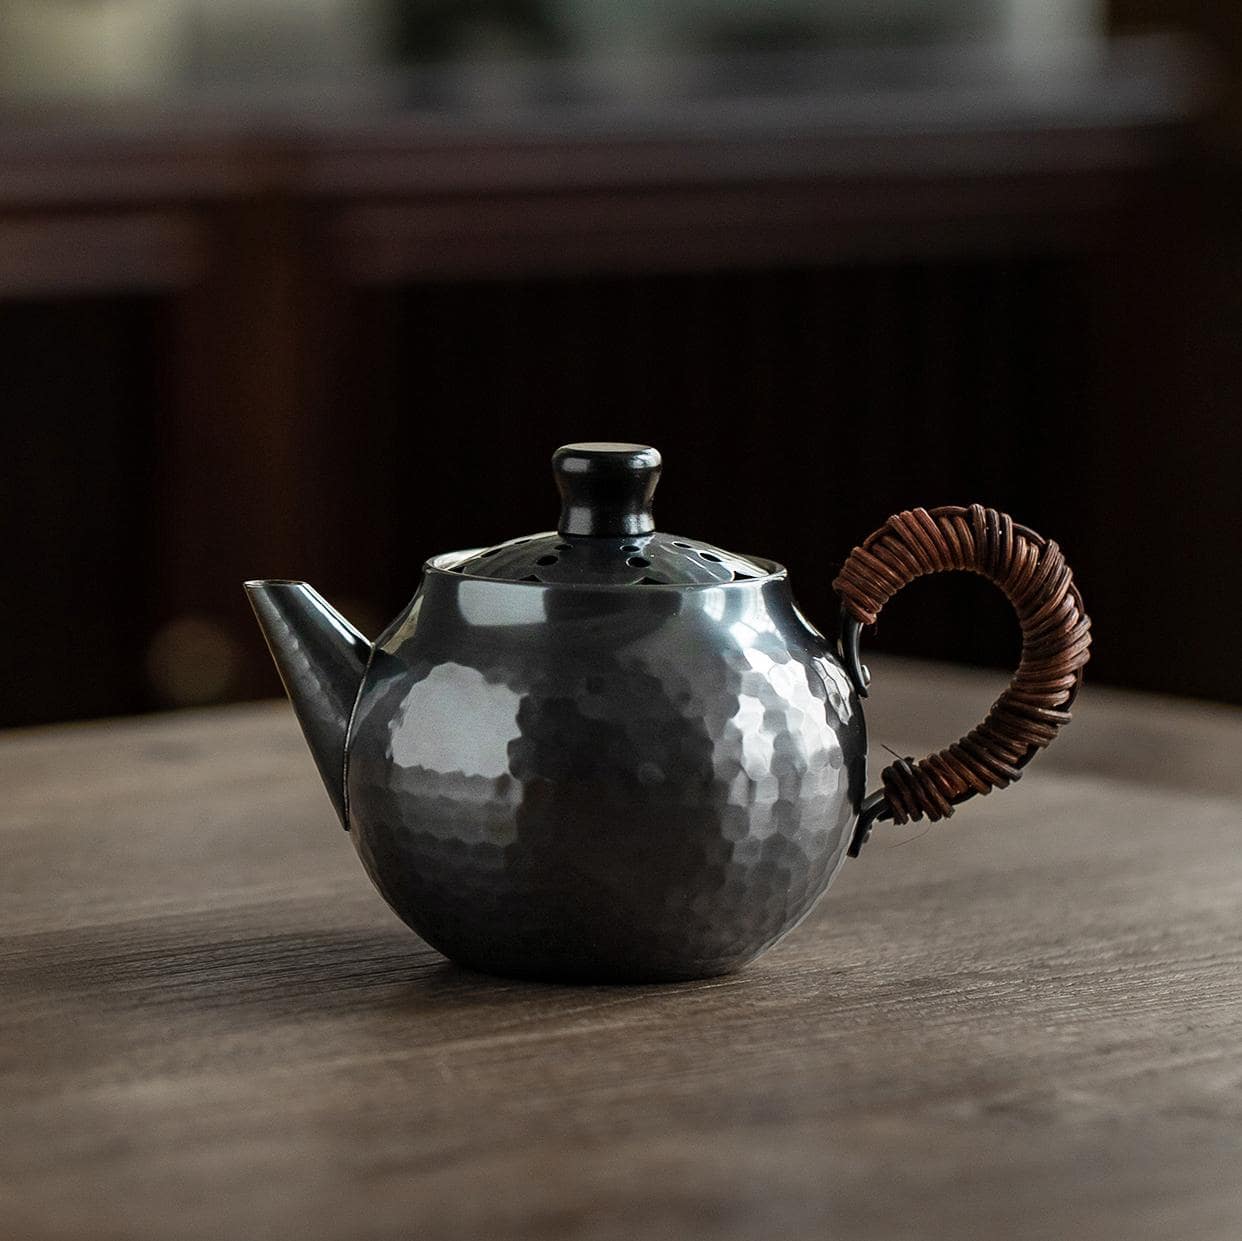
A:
(313, 289)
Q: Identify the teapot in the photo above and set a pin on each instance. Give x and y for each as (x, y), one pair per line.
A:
(608, 754)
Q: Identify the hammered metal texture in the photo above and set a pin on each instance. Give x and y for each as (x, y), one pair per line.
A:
(603, 783)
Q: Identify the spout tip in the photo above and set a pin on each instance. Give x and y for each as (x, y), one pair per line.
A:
(262, 583)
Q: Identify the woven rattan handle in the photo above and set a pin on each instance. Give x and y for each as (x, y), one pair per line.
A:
(1056, 639)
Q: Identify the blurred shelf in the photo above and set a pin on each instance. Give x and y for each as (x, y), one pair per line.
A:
(691, 165)
(923, 112)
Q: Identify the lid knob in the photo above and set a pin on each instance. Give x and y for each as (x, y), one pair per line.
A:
(606, 489)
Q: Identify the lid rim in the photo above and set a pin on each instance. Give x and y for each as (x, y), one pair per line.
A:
(441, 566)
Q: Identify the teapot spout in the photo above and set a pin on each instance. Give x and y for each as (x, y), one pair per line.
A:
(321, 658)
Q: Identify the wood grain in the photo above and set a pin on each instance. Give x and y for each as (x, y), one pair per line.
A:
(1024, 1023)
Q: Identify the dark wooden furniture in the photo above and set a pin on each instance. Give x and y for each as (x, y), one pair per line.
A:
(229, 345)
(1021, 1023)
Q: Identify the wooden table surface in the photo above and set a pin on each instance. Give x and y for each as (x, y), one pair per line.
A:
(1023, 1023)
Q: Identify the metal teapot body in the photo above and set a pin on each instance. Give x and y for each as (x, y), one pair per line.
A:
(603, 782)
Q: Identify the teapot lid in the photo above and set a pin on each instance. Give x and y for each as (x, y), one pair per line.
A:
(606, 535)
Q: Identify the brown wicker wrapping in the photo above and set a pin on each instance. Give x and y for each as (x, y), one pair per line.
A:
(1056, 637)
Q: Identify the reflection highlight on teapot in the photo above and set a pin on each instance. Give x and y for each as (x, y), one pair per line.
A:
(455, 719)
